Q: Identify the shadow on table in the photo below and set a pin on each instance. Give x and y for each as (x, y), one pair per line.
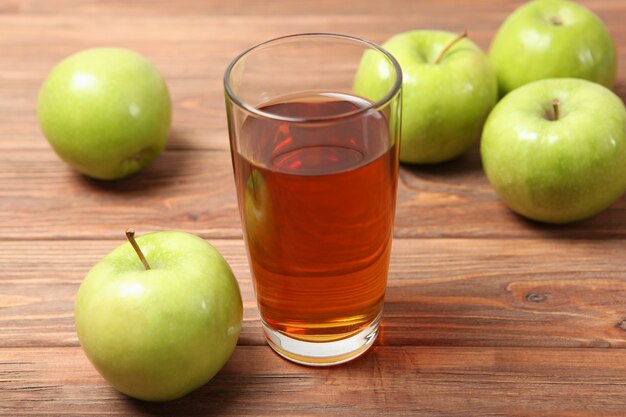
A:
(466, 168)
(168, 167)
(211, 399)
(464, 176)
(608, 224)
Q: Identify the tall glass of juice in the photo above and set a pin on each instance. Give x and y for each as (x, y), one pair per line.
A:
(316, 169)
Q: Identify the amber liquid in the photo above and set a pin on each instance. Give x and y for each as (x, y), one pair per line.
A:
(317, 201)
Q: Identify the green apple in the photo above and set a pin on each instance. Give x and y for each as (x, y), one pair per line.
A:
(105, 111)
(448, 89)
(555, 150)
(157, 334)
(552, 39)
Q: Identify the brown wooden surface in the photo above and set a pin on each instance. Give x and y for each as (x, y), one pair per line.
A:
(487, 314)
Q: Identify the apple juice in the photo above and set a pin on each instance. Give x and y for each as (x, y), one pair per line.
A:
(317, 201)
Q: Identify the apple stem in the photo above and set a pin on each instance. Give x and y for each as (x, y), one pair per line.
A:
(450, 45)
(130, 235)
(555, 106)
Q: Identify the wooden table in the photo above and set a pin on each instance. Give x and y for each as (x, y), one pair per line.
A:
(486, 314)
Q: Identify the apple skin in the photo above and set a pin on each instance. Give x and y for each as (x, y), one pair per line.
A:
(158, 334)
(557, 171)
(531, 45)
(444, 105)
(105, 111)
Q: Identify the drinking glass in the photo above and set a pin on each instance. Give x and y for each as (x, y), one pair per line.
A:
(316, 169)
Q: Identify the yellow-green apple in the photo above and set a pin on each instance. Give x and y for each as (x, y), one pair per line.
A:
(555, 150)
(448, 89)
(552, 39)
(158, 317)
(105, 111)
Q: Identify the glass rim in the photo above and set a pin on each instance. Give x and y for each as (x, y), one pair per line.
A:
(393, 91)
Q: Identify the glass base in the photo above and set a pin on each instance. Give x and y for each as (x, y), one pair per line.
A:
(323, 353)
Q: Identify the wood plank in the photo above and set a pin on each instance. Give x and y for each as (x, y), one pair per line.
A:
(41, 198)
(272, 7)
(450, 200)
(40, 281)
(240, 7)
(486, 314)
(441, 292)
(398, 381)
(199, 116)
(455, 199)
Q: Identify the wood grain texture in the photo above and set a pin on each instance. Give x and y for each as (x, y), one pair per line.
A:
(486, 314)
(451, 200)
(283, 8)
(194, 190)
(208, 41)
(394, 381)
(441, 292)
